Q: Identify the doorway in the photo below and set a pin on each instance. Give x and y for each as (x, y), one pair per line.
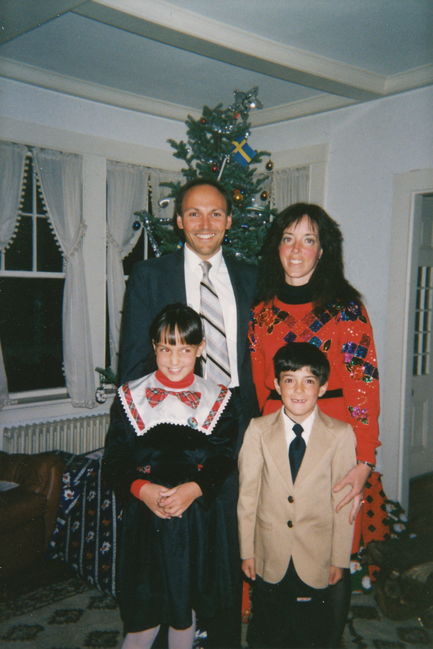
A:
(407, 370)
(420, 325)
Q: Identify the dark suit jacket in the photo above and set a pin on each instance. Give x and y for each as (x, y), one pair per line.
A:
(157, 282)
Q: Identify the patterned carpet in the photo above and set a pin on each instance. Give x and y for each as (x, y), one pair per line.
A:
(74, 615)
(69, 615)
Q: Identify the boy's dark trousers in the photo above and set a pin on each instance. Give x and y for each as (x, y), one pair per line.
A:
(289, 614)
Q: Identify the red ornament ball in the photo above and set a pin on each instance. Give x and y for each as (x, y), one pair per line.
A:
(203, 120)
(214, 168)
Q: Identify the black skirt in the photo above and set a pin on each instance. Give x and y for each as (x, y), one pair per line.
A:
(169, 567)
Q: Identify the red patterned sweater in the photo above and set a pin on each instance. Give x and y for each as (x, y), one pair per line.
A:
(346, 337)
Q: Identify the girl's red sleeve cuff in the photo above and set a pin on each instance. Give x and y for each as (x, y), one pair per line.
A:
(136, 486)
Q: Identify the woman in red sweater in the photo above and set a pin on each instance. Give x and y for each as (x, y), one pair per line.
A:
(303, 296)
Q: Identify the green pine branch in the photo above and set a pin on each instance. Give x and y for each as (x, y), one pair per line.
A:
(207, 153)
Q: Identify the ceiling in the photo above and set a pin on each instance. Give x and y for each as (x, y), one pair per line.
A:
(171, 57)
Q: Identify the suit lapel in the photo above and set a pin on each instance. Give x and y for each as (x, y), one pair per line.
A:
(177, 278)
(277, 446)
(317, 444)
(241, 306)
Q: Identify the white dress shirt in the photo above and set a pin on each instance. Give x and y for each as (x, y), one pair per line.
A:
(220, 279)
(307, 425)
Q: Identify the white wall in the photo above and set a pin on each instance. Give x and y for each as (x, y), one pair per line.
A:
(367, 144)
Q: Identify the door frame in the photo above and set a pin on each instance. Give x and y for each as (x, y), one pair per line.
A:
(396, 387)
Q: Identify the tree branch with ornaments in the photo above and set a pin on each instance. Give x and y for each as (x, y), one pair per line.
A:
(217, 147)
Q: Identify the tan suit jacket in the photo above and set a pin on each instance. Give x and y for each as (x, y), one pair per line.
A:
(279, 520)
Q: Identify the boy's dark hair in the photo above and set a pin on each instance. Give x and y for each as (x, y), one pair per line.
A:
(327, 282)
(196, 182)
(177, 318)
(294, 356)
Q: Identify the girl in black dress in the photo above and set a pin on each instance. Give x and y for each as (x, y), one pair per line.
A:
(168, 450)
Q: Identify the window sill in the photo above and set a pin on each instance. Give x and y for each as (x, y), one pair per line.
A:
(46, 408)
(59, 395)
(26, 399)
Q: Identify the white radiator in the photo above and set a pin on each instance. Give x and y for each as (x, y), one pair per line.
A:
(75, 435)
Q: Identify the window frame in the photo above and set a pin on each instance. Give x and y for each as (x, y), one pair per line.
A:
(37, 394)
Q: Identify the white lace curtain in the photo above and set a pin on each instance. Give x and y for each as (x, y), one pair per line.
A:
(12, 160)
(290, 186)
(127, 192)
(60, 176)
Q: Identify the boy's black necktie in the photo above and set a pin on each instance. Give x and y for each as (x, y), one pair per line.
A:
(296, 450)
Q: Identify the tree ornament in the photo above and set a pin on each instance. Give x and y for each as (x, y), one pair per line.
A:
(150, 223)
(136, 225)
(164, 202)
(100, 396)
(246, 101)
(217, 146)
(264, 195)
(269, 165)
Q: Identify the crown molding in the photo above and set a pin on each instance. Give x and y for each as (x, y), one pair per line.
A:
(85, 144)
(410, 79)
(194, 32)
(319, 103)
(300, 108)
(39, 77)
(95, 92)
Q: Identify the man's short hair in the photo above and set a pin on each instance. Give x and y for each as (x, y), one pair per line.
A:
(295, 356)
(196, 182)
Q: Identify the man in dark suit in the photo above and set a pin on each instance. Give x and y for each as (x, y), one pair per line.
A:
(203, 214)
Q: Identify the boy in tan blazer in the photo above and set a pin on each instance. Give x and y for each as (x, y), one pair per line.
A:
(293, 542)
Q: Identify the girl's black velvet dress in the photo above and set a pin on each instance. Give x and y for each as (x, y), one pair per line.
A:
(170, 566)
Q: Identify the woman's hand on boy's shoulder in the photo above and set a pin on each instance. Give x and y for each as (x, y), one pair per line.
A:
(356, 478)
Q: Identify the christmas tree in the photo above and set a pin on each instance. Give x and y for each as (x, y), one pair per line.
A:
(217, 147)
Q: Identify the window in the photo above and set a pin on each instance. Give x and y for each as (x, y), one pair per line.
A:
(31, 288)
(423, 321)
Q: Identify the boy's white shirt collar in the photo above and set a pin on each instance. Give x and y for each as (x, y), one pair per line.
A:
(307, 425)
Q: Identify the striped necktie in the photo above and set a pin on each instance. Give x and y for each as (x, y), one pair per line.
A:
(217, 356)
(296, 450)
